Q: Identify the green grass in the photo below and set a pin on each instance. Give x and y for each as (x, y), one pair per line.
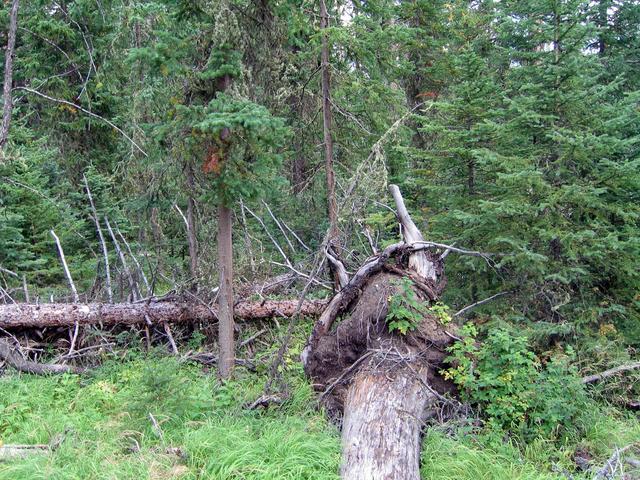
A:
(109, 435)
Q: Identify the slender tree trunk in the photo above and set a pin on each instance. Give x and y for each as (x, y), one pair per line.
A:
(8, 74)
(332, 207)
(191, 227)
(225, 302)
(602, 21)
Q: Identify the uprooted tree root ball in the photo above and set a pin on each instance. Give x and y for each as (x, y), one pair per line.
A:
(362, 342)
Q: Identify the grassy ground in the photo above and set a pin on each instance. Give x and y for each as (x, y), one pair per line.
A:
(206, 434)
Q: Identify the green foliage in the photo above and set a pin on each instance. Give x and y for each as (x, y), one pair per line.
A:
(519, 136)
(441, 312)
(405, 309)
(515, 159)
(104, 438)
(108, 432)
(167, 392)
(472, 460)
(514, 389)
(248, 165)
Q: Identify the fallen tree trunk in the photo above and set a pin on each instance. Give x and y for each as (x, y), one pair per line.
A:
(66, 315)
(382, 382)
(609, 373)
(379, 408)
(9, 452)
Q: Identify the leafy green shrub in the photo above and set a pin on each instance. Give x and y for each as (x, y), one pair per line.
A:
(512, 386)
(405, 310)
(441, 312)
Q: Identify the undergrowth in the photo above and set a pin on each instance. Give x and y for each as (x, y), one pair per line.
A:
(152, 417)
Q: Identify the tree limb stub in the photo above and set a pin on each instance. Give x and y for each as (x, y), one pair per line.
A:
(64, 315)
(419, 261)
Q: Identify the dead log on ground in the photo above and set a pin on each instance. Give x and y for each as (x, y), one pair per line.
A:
(10, 452)
(65, 315)
(11, 357)
(612, 371)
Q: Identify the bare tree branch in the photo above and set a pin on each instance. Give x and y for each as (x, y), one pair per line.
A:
(76, 297)
(105, 252)
(88, 112)
(609, 373)
(481, 302)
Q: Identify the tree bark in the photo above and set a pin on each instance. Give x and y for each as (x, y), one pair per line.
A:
(225, 303)
(332, 206)
(383, 418)
(191, 226)
(612, 371)
(19, 315)
(381, 381)
(8, 74)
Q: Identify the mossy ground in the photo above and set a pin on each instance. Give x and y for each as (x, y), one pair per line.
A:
(105, 418)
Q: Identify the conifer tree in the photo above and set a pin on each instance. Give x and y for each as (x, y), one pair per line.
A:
(554, 162)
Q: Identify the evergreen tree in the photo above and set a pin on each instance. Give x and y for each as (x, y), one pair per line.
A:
(556, 172)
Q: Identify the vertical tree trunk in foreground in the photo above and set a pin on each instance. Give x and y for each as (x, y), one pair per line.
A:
(225, 300)
(8, 74)
(378, 409)
(382, 382)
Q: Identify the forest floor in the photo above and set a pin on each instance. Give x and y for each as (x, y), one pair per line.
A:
(104, 424)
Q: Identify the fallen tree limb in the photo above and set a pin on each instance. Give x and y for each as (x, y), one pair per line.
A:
(12, 358)
(481, 302)
(9, 452)
(65, 315)
(611, 465)
(609, 373)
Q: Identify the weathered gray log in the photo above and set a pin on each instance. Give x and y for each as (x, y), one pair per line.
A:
(65, 315)
(9, 452)
(612, 371)
(383, 418)
(10, 356)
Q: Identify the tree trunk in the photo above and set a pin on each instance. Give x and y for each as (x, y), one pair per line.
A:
(191, 227)
(23, 315)
(8, 74)
(225, 301)
(383, 418)
(332, 207)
